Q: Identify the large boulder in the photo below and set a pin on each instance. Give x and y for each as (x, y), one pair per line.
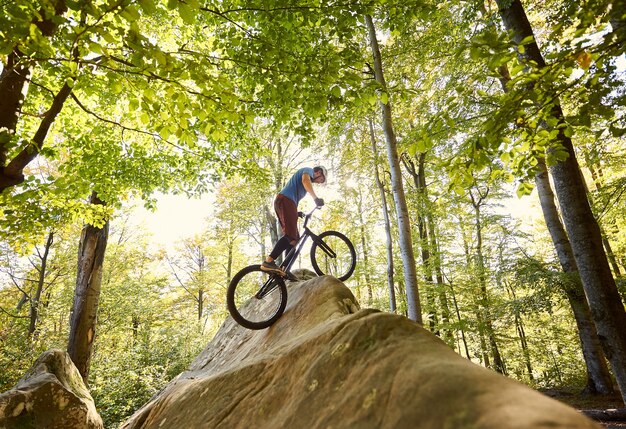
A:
(328, 364)
(50, 395)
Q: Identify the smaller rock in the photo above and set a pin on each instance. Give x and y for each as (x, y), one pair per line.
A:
(50, 395)
(303, 274)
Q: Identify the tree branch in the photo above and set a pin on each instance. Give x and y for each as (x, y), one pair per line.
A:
(126, 128)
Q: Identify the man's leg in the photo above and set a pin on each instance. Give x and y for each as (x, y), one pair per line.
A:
(287, 213)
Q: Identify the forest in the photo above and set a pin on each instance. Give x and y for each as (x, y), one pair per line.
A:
(475, 153)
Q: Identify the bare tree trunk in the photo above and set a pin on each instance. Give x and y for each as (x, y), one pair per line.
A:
(272, 224)
(519, 323)
(229, 262)
(34, 302)
(484, 309)
(597, 181)
(420, 186)
(598, 377)
(135, 328)
(387, 222)
(459, 319)
(441, 286)
(519, 326)
(91, 252)
(404, 227)
(582, 228)
(200, 303)
(368, 282)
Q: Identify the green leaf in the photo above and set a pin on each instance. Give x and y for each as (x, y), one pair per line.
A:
(148, 6)
(130, 13)
(95, 48)
(475, 52)
(524, 189)
(568, 132)
(116, 87)
(187, 13)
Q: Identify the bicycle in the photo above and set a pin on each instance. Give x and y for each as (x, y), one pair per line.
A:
(257, 298)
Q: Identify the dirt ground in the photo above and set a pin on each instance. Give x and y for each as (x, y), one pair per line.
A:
(581, 402)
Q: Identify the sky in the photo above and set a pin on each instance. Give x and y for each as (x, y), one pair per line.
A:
(176, 217)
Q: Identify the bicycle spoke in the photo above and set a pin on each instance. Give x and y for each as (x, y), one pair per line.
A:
(257, 297)
(334, 255)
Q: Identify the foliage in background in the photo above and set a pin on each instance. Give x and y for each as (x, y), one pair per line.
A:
(178, 96)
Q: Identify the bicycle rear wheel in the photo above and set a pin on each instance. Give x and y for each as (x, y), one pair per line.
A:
(255, 298)
(333, 253)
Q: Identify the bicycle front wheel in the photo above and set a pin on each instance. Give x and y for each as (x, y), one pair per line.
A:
(255, 298)
(333, 253)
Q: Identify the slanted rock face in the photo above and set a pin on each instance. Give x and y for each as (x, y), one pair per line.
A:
(50, 395)
(327, 364)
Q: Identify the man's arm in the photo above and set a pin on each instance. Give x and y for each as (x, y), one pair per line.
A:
(308, 185)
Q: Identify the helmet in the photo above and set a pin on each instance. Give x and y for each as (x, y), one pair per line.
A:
(323, 170)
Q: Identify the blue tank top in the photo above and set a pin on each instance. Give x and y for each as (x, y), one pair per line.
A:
(294, 189)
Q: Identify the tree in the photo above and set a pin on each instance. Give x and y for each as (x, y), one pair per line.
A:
(386, 220)
(191, 271)
(406, 245)
(83, 324)
(598, 380)
(583, 230)
(32, 25)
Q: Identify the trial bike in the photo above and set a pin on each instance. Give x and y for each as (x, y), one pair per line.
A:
(257, 298)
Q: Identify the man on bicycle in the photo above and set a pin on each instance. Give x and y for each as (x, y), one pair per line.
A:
(286, 207)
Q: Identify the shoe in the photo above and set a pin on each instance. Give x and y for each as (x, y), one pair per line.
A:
(271, 267)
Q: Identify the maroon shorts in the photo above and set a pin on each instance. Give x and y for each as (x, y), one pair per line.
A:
(287, 212)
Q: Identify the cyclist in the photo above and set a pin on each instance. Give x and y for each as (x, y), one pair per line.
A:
(286, 207)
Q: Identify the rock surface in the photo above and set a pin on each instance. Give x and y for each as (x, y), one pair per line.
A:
(328, 364)
(50, 395)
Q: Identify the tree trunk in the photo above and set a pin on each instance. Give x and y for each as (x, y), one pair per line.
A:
(368, 282)
(272, 224)
(519, 326)
(582, 228)
(598, 377)
(406, 246)
(448, 335)
(12, 174)
(420, 186)
(34, 302)
(387, 222)
(484, 310)
(15, 74)
(596, 174)
(200, 303)
(135, 328)
(229, 262)
(460, 320)
(91, 252)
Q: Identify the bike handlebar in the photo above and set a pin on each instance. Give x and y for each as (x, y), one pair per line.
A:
(308, 215)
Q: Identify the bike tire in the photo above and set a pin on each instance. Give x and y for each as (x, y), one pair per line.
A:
(250, 311)
(342, 266)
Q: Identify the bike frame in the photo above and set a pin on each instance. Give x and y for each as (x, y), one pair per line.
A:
(295, 252)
